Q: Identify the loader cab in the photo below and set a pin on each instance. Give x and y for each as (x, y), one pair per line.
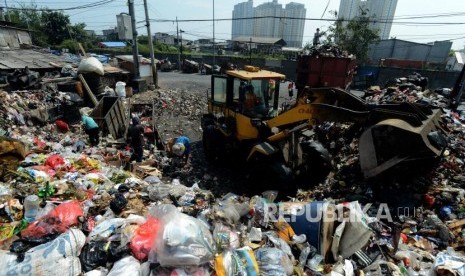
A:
(251, 92)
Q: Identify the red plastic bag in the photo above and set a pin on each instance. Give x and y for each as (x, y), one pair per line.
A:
(54, 161)
(62, 125)
(57, 221)
(144, 238)
(39, 143)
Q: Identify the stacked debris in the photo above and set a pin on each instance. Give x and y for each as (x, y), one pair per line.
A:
(327, 50)
(190, 66)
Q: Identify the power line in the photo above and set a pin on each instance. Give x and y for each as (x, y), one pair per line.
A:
(91, 5)
(308, 19)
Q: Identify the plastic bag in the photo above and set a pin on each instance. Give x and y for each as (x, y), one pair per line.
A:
(230, 211)
(183, 240)
(89, 65)
(225, 238)
(54, 161)
(62, 125)
(93, 255)
(105, 229)
(159, 191)
(120, 89)
(97, 272)
(236, 262)
(144, 238)
(272, 261)
(60, 219)
(57, 257)
(451, 261)
(118, 203)
(127, 266)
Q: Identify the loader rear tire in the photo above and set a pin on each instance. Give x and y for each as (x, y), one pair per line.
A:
(210, 141)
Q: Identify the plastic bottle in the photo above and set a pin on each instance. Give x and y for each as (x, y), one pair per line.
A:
(31, 207)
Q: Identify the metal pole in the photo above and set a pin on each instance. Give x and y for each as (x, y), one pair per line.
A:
(149, 37)
(213, 33)
(250, 51)
(135, 49)
(177, 42)
(182, 58)
(7, 12)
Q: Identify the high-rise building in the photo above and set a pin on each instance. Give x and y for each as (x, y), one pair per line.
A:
(380, 10)
(270, 21)
(294, 28)
(243, 27)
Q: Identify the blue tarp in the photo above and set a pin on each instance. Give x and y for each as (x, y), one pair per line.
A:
(112, 44)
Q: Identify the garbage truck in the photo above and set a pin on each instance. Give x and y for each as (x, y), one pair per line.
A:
(246, 123)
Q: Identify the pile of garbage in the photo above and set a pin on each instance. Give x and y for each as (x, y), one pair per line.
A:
(73, 209)
(328, 50)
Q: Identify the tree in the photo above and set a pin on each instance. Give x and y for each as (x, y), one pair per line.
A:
(56, 25)
(354, 36)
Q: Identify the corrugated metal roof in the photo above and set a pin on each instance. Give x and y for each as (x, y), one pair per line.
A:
(260, 40)
(20, 58)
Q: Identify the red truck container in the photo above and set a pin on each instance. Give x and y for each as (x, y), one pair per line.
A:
(321, 71)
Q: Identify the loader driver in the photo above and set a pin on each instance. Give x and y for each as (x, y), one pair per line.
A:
(250, 99)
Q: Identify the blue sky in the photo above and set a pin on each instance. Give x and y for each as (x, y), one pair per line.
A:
(104, 17)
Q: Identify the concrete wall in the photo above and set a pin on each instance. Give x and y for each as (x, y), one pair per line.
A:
(400, 49)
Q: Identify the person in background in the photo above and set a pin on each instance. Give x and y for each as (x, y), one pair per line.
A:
(316, 37)
(91, 128)
(290, 88)
(135, 138)
(180, 147)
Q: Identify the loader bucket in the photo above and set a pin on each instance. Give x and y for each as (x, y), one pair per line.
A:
(395, 141)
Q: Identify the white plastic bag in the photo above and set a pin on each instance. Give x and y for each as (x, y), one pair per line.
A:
(91, 65)
(182, 241)
(128, 266)
(120, 89)
(57, 257)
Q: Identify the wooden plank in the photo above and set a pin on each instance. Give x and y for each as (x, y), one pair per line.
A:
(456, 224)
(82, 49)
(87, 88)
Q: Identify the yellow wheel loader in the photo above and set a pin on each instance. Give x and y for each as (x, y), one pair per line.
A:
(246, 122)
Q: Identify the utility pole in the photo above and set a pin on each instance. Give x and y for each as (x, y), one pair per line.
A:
(213, 33)
(250, 51)
(135, 50)
(177, 40)
(182, 58)
(7, 11)
(149, 37)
